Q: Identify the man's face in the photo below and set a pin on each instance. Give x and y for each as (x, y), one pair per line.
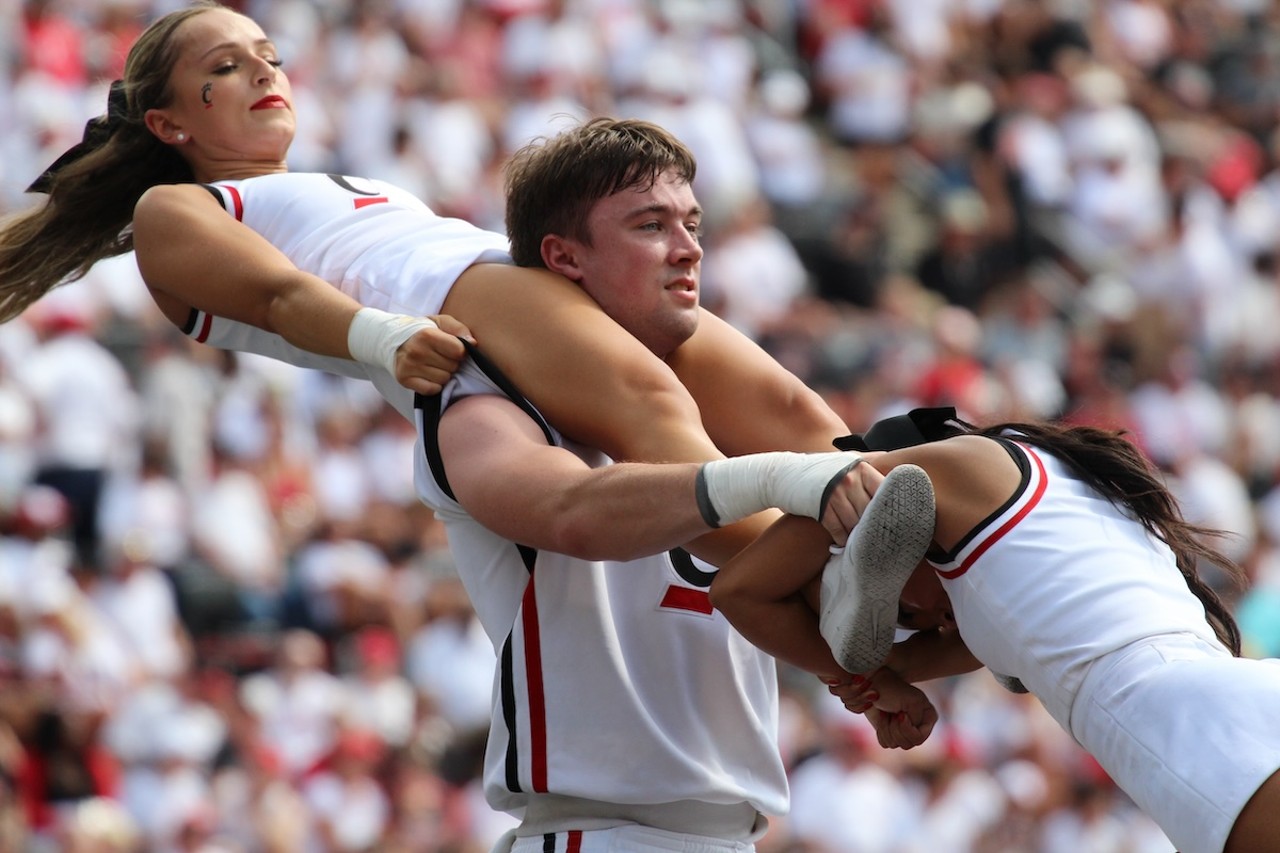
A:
(644, 261)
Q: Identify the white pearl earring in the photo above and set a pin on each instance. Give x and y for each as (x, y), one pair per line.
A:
(182, 137)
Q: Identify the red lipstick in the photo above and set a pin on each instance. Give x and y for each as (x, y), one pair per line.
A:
(270, 102)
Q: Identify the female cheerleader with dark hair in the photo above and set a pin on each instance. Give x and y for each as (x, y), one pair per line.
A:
(1061, 561)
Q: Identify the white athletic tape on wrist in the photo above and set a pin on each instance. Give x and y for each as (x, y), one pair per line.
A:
(729, 490)
(374, 336)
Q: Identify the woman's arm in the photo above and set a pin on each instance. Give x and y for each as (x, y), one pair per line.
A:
(192, 254)
(972, 477)
(927, 655)
(768, 592)
(757, 591)
(901, 714)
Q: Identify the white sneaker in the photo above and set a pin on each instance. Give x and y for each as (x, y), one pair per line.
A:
(861, 583)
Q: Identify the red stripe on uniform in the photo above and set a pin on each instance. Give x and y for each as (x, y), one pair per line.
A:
(365, 202)
(203, 334)
(537, 697)
(1006, 527)
(236, 202)
(574, 844)
(687, 598)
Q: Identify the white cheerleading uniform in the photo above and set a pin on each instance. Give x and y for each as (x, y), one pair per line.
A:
(375, 242)
(621, 696)
(1068, 593)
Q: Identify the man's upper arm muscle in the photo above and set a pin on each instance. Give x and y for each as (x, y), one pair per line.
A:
(499, 465)
(508, 478)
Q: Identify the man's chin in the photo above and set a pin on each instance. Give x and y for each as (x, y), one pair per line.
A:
(672, 339)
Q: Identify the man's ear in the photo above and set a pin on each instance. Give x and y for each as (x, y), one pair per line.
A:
(560, 255)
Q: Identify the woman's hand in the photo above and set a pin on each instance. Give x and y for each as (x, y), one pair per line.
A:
(902, 730)
(849, 499)
(901, 714)
(427, 360)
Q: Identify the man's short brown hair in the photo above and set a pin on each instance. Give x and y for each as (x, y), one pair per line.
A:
(552, 183)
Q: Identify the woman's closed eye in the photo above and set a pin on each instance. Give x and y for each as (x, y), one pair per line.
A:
(232, 67)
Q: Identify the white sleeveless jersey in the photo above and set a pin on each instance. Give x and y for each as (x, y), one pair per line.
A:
(617, 682)
(375, 242)
(1059, 577)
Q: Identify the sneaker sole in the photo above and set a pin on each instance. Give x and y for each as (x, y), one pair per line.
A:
(861, 616)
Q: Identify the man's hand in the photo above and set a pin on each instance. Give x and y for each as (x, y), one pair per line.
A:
(429, 358)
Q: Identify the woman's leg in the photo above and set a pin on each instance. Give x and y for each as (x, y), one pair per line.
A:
(762, 592)
(730, 376)
(1257, 829)
(590, 378)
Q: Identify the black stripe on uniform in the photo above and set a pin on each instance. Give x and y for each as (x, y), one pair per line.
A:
(222, 202)
(509, 718)
(683, 563)
(432, 408)
(190, 326)
(529, 556)
(1024, 467)
(431, 413)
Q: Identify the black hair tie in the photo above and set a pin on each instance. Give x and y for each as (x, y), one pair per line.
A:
(96, 133)
(917, 426)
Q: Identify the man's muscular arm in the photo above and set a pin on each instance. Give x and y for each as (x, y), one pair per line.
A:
(512, 481)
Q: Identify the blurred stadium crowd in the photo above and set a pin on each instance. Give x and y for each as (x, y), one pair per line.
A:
(226, 624)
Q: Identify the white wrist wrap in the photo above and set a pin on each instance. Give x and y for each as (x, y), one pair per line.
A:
(729, 490)
(374, 336)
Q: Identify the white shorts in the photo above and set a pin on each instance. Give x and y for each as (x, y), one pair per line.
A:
(630, 838)
(1186, 730)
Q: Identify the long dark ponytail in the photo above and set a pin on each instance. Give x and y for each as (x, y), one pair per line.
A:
(1112, 465)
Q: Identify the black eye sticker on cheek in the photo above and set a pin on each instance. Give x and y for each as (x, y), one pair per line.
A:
(206, 95)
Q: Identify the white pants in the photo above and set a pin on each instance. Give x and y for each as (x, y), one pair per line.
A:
(630, 838)
(1186, 730)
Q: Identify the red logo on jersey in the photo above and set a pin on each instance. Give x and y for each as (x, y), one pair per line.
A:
(687, 598)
